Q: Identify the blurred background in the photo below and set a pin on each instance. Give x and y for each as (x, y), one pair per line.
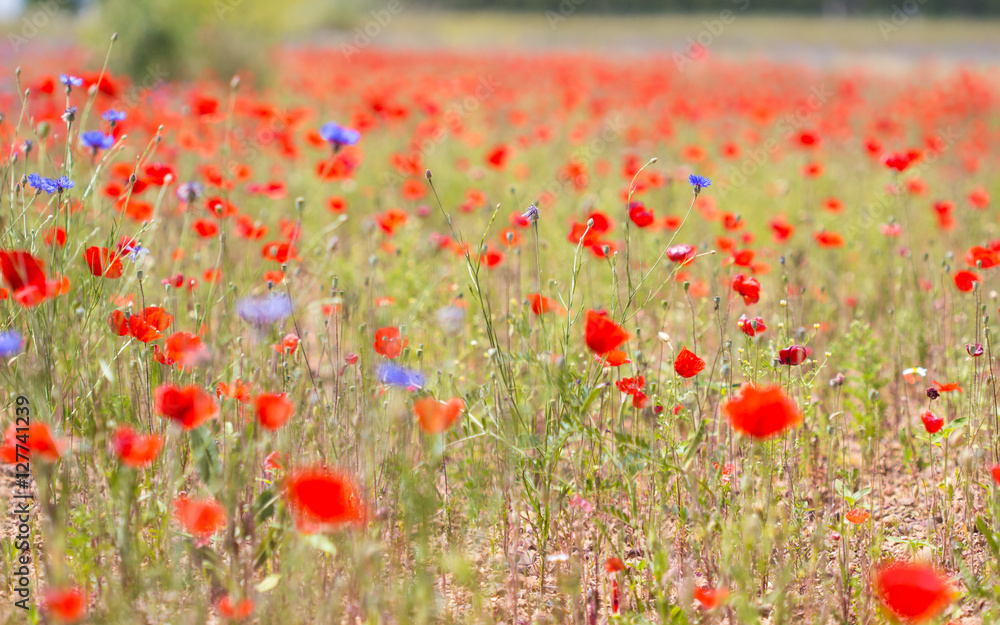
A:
(218, 38)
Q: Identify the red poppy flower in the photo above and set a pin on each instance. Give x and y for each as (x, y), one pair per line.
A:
(631, 386)
(603, 249)
(579, 234)
(134, 450)
(603, 334)
(995, 473)
(761, 411)
(438, 416)
(389, 342)
(205, 228)
(249, 229)
(413, 190)
(782, 230)
(742, 258)
(239, 391)
(681, 253)
(857, 515)
(237, 611)
(898, 161)
(199, 517)
(184, 349)
(144, 326)
(613, 565)
(188, 407)
(102, 264)
(273, 410)
(336, 204)
(289, 343)
(947, 388)
(65, 605)
(391, 220)
(829, 239)
(56, 235)
(793, 356)
(640, 215)
(979, 198)
(497, 157)
(321, 498)
(932, 422)
(273, 462)
(751, 327)
(25, 276)
(492, 257)
(965, 280)
(38, 441)
(913, 592)
(687, 364)
(711, 598)
(158, 174)
(280, 252)
(981, 257)
(614, 358)
(541, 304)
(510, 237)
(748, 288)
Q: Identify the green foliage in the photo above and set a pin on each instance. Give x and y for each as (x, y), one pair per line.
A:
(179, 39)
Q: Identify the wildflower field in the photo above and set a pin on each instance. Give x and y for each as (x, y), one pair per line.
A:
(414, 336)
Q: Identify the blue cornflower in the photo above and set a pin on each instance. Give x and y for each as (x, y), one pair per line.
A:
(70, 81)
(111, 115)
(70, 114)
(699, 182)
(531, 215)
(135, 252)
(264, 310)
(190, 191)
(10, 344)
(63, 184)
(336, 134)
(41, 183)
(96, 140)
(399, 376)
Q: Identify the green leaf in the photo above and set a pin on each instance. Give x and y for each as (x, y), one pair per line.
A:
(322, 543)
(591, 398)
(991, 538)
(263, 506)
(693, 444)
(268, 583)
